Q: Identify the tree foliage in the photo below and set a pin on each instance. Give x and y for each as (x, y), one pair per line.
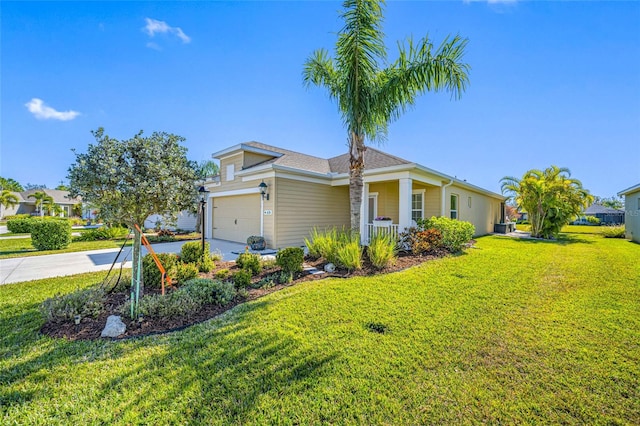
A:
(551, 198)
(43, 201)
(7, 199)
(612, 202)
(370, 97)
(10, 185)
(131, 179)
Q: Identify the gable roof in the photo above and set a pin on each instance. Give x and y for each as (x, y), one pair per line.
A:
(59, 196)
(293, 159)
(373, 159)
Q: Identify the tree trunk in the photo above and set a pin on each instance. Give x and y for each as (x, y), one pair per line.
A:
(136, 272)
(356, 158)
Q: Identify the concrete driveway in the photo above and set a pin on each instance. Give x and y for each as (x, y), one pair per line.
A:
(55, 265)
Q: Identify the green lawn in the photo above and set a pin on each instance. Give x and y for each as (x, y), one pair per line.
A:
(22, 247)
(514, 331)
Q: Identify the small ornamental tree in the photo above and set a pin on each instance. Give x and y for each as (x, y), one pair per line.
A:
(128, 180)
(551, 197)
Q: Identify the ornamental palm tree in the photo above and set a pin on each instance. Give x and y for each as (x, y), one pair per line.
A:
(551, 198)
(7, 199)
(370, 97)
(42, 199)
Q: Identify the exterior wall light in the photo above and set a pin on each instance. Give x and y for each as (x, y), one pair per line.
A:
(263, 190)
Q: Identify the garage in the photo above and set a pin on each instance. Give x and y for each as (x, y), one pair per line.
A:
(235, 218)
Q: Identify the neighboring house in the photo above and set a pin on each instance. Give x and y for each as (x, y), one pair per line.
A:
(27, 205)
(187, 221)
(606, 215)
(632, 211)
(302, 192)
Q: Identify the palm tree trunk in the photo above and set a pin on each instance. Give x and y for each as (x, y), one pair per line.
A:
(356, 158)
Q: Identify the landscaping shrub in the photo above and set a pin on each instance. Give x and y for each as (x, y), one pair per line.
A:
(118, 281)
(103, 233)
(174, 304)
(51, 234)
(206, 264)
(455, 233)
(216, 256)
(222, 274)
(613, 231)
(209, 291)
(382, 250)
(592, 220)
(191, 251)
(290, 260)
(20, 225)
(249, 261)
(185, 272)
(326, 244)
(17, 216)
(418, 241)
(242, 279)
(151, 275)
(166, 233)
(349, 253)
(86, 303)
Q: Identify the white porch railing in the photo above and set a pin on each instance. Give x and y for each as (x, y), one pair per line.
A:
(370, 230)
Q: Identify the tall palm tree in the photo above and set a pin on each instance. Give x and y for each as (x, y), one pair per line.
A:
(42, 200)
(7, 199)
(370, 97)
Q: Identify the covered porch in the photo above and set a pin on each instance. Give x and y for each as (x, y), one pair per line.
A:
(398, 204)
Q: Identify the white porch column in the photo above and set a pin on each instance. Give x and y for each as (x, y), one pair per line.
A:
(364, 214)
(208, 221)
(404, 208)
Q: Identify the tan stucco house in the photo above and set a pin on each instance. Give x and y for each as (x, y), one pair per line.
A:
(302, 192)
(632, 212)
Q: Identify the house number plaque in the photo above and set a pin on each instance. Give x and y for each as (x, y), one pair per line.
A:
(268, 212)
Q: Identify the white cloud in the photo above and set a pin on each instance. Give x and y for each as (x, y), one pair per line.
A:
(154, 46)
(154, 27)
(43, 112)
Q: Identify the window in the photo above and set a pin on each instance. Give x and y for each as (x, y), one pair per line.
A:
(373, 207)
(638, 203)
(231, 172)
(454, 206)
(417, 205)
(469, 202)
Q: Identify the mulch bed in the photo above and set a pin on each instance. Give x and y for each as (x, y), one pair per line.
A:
(90, 328)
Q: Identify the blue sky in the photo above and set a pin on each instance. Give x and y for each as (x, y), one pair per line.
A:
(551, 83)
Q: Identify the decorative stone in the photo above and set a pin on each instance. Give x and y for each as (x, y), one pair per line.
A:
(268, 257)
(114, 327)
(329, 267)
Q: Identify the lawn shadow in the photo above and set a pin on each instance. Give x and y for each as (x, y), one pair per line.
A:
(563, 239)
(206, 377)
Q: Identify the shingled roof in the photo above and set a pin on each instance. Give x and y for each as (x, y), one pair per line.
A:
(59, 196)
(293, 159)
(600, 209)
(373, 159)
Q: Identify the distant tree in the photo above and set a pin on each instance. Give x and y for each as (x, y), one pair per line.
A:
(612, 202)
(62, 187)
(207, 169)
(7, 199)
(29, 186)
(129, 180)
(550, 197)
(42, 200)
(10, 185)
(370, 97)
(511, 211)
(77, 209)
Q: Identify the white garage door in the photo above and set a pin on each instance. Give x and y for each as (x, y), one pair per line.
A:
(236, 218)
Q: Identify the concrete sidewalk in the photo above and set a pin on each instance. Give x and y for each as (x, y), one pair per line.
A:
(54, 265)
